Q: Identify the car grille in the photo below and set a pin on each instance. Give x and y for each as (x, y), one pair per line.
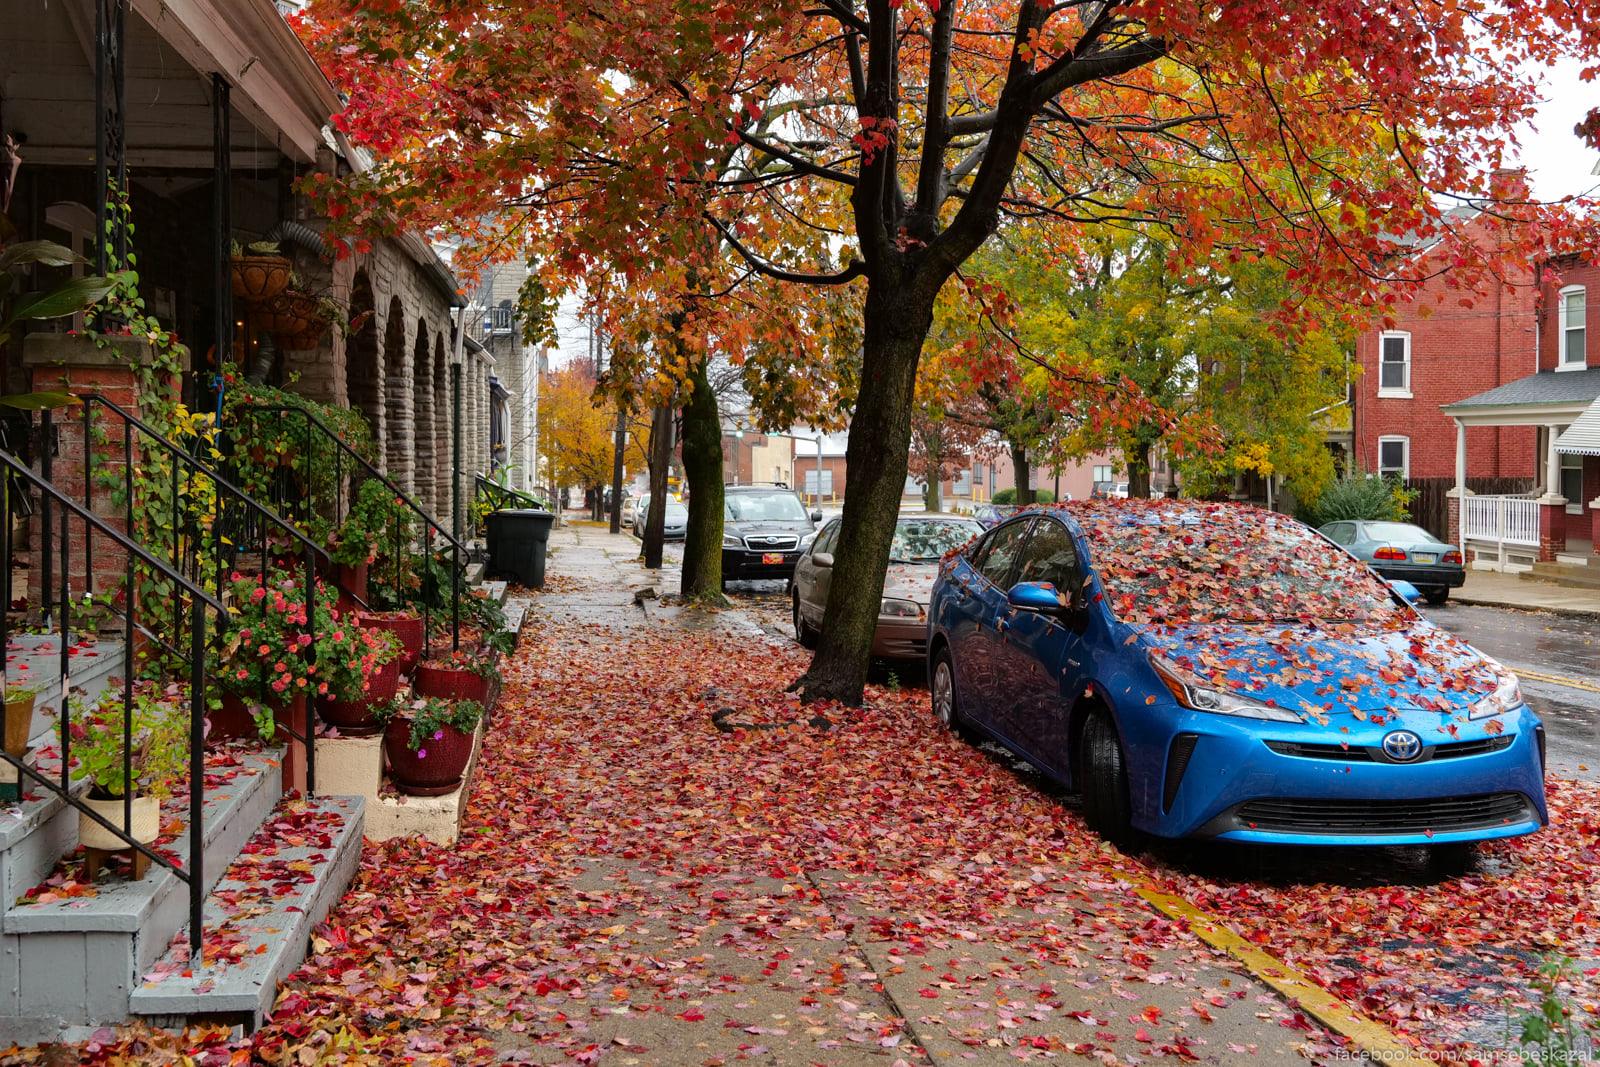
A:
(1374, 753)
(772, 543)
(1330, 816)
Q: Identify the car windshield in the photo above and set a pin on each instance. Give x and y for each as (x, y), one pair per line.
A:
(1399, 531)
(1180, 564)
(764, 507)
(927, 540)
(676, 510)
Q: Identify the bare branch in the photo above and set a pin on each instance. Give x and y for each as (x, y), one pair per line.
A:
(854, 270)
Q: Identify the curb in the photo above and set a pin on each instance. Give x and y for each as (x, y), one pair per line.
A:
(1483, 602)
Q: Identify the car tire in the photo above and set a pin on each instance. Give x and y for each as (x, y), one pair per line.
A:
(1436, 597)
(1103, 776)
(1452, 859)
(803, 632)
(942, 693)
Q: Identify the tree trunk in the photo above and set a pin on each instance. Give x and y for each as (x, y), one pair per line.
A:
(702, 469)
(931, 495)
(1139, 473)
(896, 320)
(932, 486)
(655, 521)
(1019, 472)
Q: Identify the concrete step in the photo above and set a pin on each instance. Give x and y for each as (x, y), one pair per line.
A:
(34, 660)
(496, 590)
(1566, 574)
(259, 917)
(38, 830)
(74, 960)
(517, 609)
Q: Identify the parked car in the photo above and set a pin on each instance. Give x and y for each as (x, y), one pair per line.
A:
(764, 530)
(677, 519)
(1401, 550)
(920, 542)
(630, 508)
(989, 515)
(1220, 671)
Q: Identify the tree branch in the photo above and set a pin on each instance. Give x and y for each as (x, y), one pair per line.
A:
(855, 269)
(798, 162)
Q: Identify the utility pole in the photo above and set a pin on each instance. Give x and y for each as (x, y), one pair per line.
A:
(620, 444)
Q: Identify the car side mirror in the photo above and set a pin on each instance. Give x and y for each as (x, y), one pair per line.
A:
(1041, 597)
(822, 559)
(816, 515)
(1406, 591)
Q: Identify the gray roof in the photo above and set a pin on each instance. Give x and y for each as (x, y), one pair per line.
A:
(1545, 387)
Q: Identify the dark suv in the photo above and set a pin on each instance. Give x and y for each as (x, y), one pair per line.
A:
(764, 529)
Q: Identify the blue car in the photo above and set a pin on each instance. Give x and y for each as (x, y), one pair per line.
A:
(1220, 671)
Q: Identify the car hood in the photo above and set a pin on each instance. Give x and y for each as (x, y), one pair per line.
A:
(910, 581)
(1338, 673)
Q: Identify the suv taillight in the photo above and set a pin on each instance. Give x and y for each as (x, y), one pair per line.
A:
(1388, 553)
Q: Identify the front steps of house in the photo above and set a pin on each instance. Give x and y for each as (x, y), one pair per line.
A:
(1569, 574)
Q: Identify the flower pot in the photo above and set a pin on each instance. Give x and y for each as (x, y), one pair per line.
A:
(260, 278)
(293, 314)
(451, 683)
(19, 723)
(232, 721)
(436, 768)
(408, 628)
(145, 829)
(354, 718)
(352, 584)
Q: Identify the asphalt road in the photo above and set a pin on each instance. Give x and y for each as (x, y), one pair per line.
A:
(1557, 646)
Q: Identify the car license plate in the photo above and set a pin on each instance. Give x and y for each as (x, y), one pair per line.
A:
(1426, 557)
(771, 558)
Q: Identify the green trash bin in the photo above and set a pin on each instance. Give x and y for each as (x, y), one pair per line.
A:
(517, 542)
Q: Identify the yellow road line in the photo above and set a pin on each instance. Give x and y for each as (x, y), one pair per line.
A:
(1364, 1033)
(1555, 679)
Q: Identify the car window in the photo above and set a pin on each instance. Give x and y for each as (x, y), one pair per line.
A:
(777, 506)
(1342, 533)
(825, 539)
(1399, 531)
(1001, 551)
(923, 540)
(1051, 556)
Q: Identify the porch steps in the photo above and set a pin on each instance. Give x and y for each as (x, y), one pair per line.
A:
(254, 936)
(1565, 574)
(92, 665)
(75, 960)
(35, 832)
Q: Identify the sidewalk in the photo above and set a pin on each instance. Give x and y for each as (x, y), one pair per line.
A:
(1493, 589)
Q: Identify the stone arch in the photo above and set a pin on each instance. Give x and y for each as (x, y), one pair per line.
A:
(422, 419)
(396, 398)
(363, 379)
(441, 426)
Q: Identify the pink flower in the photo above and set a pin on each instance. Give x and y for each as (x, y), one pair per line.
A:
(243, 674)
(265, 650)
(280, 685)
(244, 635)
(323, 688)
(422, 753)
(304, 640)
(257, 593)
(438, 735)
(338, 635)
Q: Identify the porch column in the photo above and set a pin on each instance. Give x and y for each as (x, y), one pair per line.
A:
(1456, 502)
(1552, 505)
(1594, 528)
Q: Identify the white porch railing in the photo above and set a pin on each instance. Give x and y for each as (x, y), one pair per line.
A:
(1511, 520)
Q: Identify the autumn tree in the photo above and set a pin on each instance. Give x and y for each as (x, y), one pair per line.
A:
(575, 432)
(878, 144)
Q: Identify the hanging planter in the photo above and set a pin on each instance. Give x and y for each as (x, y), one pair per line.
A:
(292, 314)
(19, 720)
(427, 744)
(257, 279)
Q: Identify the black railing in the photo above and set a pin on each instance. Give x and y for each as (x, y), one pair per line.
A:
(19, 478)
(235, 520)
(302, 502)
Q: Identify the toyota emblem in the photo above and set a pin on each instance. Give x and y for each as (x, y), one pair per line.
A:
(1402, 746)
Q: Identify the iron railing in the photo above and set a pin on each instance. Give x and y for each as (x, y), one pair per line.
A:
(189, 595)
(349, 464)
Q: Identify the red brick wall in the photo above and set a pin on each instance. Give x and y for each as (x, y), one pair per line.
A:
(1560, 275)
(1456, 352)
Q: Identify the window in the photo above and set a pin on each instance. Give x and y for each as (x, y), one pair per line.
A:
(1051, 557)
(1394, 457)
(1102, 472)
(1341, 533)
(825, 539)
(1000, 551)
(811, 482)
(1394, 364)
(1574, 342)
(963, 484)
(1572, 483)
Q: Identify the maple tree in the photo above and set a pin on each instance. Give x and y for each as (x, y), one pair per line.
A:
(575, 431)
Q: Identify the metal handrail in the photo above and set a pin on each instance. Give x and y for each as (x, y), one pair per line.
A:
(199, 601)
(431, 527)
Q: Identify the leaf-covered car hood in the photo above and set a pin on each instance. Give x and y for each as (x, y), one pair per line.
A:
(911, 581)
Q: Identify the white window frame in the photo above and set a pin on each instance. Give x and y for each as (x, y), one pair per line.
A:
(1405, 463)
(1563, 362)
(1398, 392)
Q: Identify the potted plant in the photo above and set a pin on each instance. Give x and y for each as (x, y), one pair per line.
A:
(157, 758)
(359, 670)
(266, 663)
(355, 545)
(465, 674)
(19, 718)
(260, 273)
(427, 743)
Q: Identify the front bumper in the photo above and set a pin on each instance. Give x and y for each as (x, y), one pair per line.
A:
(744, 565)
(1234, 787)
(900, 638)
(1424, 575)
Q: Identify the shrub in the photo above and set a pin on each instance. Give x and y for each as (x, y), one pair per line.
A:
(159, 756)
(1360, 497)
(1009, 496)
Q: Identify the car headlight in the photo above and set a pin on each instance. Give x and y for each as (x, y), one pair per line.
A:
(730, 541)
(805, 542)
(1191, 692)
(1506, 696)
(900, 609)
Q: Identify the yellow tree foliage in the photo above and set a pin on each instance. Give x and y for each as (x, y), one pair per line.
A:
(575, 432)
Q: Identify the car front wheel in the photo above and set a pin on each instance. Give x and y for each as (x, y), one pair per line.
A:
(803, 632)
(942, 690)
(1103, 775)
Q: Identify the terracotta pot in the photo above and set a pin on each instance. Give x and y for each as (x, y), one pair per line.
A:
(146, 822)
(408, 628)
(260, 278)
(354, 717)
(352, 585)
(451, 683)
(233, 721)
(434, 769)
(19, 722)
(293, 314)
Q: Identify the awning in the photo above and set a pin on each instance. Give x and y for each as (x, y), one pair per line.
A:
(1582, 438)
